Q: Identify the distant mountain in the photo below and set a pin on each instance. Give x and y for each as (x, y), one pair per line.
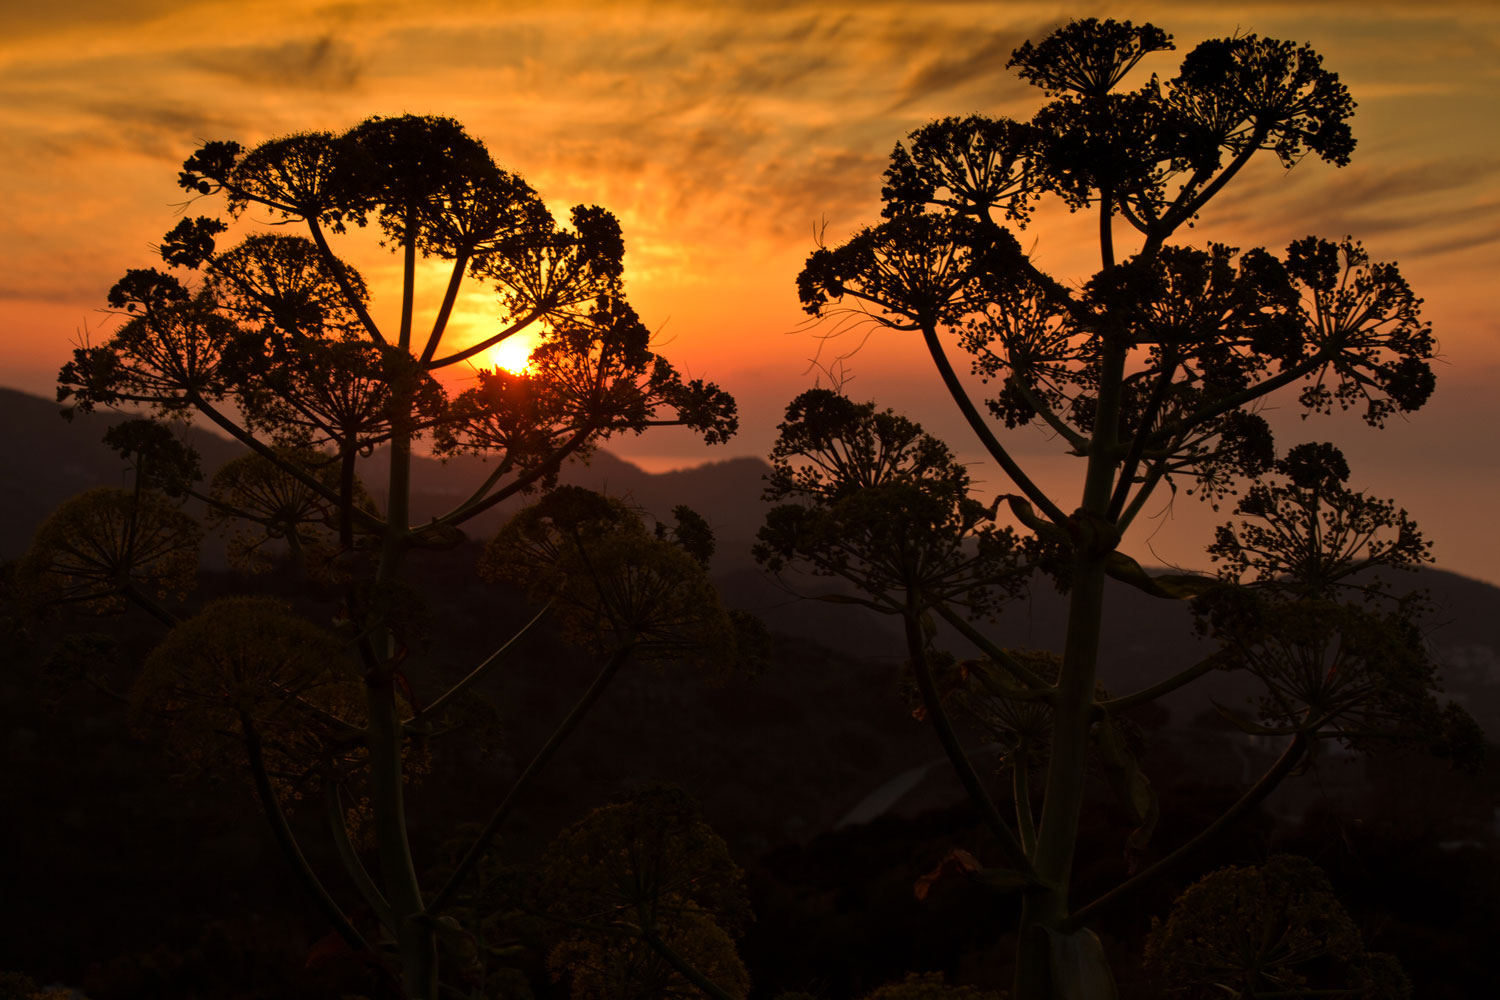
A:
(1144, 638)
(55, 459)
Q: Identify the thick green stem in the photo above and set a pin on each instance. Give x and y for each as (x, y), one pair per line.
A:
(1073, 707)
(415, 937)
(346, 495)
(1072, 717)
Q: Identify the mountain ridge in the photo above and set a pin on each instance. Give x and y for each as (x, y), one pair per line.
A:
(56, 459)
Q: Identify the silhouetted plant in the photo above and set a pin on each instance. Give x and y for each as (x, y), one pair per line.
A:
(1271, 930)
(614, 585)
(649, 901)
(1338, 656)
(246, 670)
(1151, 372)
(17, 986)
(273, 340)
(107, 546)
(261, 504)
(930, 986)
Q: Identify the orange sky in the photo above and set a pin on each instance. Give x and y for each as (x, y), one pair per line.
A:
(724, 135)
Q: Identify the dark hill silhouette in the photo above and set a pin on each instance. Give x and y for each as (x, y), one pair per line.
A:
(778, 760)
(1145, 638)
(57, 459)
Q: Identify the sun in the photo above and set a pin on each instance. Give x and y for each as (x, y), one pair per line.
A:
(513, 353)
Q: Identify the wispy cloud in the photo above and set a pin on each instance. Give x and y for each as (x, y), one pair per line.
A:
(325, 62)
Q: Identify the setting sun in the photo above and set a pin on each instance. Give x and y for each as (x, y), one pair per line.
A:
(513, 353)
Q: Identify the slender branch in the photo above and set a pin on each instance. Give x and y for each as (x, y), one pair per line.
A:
(346, 731)
(1184, 210)
(1252, 798)
(1106, 226)
(1014, 667)
(618, 927)
(507, 804)
(468, 352)
(982, 430)
(1130, 216)
(333, 810)
(483, 489)
(471, 507)
(151, 606)
(336, 266)
(1162, 687)
(916, 648)
(1142, 433)
(1138, 502)
(234, 430)
(1235, 400)
(432, 710)
(1020, 783)
(288, 841)
(1076, 441)
(408, 275)
(683, 966)
(440, 324)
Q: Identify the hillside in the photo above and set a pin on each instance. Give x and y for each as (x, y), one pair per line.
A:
(1143, 637)
(56, 459)
(830, 793)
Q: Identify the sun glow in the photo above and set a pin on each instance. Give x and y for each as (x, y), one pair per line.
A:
(513, 353)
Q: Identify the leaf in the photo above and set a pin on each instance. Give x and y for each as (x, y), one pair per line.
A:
(1045, 529)
(1172, 586)
(1244, 725)
(956, 862)
(1079, 969)
(960, 863)
(438, 536)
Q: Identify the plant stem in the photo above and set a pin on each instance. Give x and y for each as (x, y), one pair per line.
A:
(334, 813)
(445, 895)
(916, 648)
(1256, 794)
(288, 841)
(684, 967)
(432, 710)
(1021, 788)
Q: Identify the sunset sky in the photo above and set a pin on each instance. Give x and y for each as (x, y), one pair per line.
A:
(726, 136)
